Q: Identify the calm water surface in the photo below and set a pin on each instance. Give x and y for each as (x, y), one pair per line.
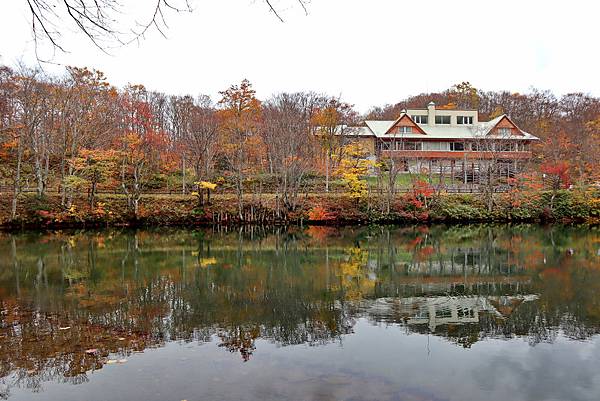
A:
(409, 313)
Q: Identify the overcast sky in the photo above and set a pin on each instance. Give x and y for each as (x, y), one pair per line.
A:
(371, 52)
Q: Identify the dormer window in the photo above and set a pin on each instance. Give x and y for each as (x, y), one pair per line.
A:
(442, 119)
(504, 131)
(419, 119)
(405, 130)
(464, 120)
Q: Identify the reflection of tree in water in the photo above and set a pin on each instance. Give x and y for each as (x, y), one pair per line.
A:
(239, 339)
(270, 294)
(39, 346)
(121, 292)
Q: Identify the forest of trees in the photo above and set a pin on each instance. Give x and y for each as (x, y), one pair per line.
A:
(75, 134)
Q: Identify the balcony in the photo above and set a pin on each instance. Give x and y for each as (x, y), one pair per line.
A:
(447, 154)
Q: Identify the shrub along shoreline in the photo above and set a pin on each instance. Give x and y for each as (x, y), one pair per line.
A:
(325, 209)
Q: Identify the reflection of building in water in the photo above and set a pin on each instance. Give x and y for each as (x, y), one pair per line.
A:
(457, 271)
(439, 311)
(483, 260)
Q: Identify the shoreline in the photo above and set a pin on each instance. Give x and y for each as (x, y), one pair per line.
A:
(569, 207)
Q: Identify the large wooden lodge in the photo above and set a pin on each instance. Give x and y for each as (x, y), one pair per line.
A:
(452, 142)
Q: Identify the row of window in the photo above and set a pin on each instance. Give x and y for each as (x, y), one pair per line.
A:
(442, 119)
(462, 120)
(420, 119)
(409, 130)
(458, 146)
(446, 312)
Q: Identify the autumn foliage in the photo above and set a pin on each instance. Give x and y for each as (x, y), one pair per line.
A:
(320, 213)
(72, 140)
(557, 174)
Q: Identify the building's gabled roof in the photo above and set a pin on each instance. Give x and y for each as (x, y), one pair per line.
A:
(411, 122)
(381, 129)
(353, 131)
(488, 126)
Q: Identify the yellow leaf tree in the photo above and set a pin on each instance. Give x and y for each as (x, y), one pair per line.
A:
(353, 169)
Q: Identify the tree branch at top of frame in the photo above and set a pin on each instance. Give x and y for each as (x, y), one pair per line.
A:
(101, 21)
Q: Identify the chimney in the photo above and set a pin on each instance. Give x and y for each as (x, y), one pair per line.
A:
(431, 113)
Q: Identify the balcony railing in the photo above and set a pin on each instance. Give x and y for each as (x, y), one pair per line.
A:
(448, 154)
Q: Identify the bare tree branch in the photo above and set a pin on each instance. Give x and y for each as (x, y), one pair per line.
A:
(99, 20)
(276, 13)
(96, 19)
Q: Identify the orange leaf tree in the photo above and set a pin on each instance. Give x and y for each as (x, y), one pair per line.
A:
(240, 116)
(143, 147)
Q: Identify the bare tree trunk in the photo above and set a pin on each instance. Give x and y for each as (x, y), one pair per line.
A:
(136, 191)
(240, 193)
(442, 179)
(62, 180)
(93, 194)
(327, 172)
(46, 170)
(124, 186)
(183, 186)
(39, 177)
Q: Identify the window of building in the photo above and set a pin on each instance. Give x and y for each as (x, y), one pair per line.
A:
(504, 131)
(422, 313)
(465, 313)
(481, 146)
(464, 120)
(413, 146)
(443, 312)
(504, 147)
(457, 146)
(435, 145)
(442, 119)
(419, 119)
(405, 130)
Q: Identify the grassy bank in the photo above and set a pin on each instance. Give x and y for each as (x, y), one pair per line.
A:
(171, 210)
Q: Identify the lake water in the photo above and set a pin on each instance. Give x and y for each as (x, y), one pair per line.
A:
(369, 313)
